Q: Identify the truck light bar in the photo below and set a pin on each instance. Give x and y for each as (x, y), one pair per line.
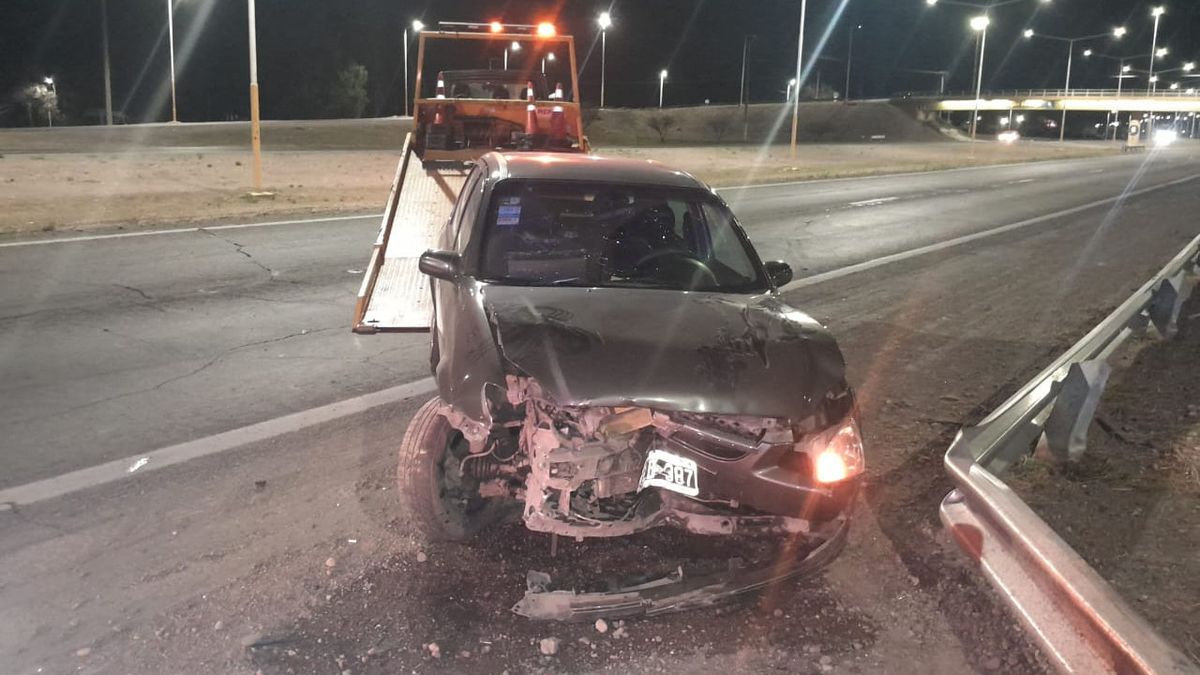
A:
(544, 29)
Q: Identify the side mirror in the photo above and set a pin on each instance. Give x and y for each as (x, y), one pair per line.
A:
(779, 272)
(440, 264)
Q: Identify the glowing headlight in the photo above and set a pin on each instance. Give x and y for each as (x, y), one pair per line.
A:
(1165, 137)
(837, 453)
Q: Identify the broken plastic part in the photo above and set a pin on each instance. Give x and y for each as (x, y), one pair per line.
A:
(672, 592)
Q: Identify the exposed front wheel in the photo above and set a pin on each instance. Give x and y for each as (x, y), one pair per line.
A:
(444, 503)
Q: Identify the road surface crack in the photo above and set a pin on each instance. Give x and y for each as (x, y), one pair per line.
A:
(241, 248)
(206, 365)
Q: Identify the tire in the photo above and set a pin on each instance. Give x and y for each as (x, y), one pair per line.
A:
(440, 505)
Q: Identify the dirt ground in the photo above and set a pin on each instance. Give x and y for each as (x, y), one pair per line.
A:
(1131, 506)
(150, 187)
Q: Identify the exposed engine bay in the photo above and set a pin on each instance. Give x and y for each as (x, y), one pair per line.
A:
(614, 471)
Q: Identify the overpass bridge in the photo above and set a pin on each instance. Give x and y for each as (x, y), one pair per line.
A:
(1074, 100)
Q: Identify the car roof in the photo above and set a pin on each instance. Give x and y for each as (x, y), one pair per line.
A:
(585, 167)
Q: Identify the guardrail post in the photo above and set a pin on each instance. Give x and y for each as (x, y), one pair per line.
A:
(1166, 305)
(1066, 429)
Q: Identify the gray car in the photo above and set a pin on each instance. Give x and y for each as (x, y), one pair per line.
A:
(611, 355)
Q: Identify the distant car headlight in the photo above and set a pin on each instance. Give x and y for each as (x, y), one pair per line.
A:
(1165, 137)
(1008, 137)
(837, 452)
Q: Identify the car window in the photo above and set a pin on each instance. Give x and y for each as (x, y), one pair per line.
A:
(573, 233)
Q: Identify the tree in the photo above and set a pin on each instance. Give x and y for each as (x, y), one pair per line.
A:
(662, 124)
(348, 91)
(719, 126)
(39, 100)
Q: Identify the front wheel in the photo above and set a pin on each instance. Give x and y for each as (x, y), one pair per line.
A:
(444, 503)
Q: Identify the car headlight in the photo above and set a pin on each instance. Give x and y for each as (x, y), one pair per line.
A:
(837, 452)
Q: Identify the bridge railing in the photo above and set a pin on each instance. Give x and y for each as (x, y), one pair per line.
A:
(1062, 93)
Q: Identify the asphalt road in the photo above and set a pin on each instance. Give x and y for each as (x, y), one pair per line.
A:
(113, 347)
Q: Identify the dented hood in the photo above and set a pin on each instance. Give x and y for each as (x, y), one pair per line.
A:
(670, 350)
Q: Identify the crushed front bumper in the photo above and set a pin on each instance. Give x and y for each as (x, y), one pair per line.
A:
(674, 592)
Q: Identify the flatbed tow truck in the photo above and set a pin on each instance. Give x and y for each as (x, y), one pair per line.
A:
(472, 112)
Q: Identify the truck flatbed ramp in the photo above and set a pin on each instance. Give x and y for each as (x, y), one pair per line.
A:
(394, 294)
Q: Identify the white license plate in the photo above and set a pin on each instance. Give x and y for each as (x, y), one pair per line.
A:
(672, 472)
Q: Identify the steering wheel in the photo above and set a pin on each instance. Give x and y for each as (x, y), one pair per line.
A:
(697, 274)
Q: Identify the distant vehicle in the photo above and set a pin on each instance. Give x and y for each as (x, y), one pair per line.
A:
(1008, 136)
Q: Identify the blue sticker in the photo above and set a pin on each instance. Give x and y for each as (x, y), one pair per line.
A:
(509, 213)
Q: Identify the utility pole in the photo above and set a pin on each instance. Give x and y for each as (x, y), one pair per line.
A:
(744, 93)
(255, 137)
(108, 117)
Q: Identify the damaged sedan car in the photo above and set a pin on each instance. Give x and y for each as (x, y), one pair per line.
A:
(611, 355)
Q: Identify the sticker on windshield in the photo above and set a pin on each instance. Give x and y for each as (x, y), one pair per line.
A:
(509, 213)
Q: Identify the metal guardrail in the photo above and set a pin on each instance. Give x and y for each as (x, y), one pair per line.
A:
(1080, 621)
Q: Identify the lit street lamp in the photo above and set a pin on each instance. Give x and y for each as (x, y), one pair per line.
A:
(548, 57)
(1157, 13)
(605, 21)
(1116, 33)
(49, 82)
(979, 24)
(514, 47)
(791, 83)
(417, 27)
(662, 85)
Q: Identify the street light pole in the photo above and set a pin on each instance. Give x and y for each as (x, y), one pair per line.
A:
(980, 25)
(799, 75)
(255, 136)
(662, 85)
(1157, 12)
(171, 48)
(850, 57)
(107, 65)
(744, 92)
(605, 21)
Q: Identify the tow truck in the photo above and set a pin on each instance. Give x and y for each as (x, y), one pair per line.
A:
(471, 113)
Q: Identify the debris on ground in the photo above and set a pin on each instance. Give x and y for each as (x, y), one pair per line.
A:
(549, 646)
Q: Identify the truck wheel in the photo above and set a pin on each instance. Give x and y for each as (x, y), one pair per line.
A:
(444, 504)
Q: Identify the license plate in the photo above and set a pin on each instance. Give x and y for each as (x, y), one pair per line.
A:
(672, 472)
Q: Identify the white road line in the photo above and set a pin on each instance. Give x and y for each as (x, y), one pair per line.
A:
(966, 239)
(874, 202)
(1024, 180)
(176, 454)
(184, 230)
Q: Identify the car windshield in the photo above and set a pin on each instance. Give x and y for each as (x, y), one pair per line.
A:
(564, 233)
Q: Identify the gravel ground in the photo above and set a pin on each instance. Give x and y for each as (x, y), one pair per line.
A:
(170, 187)
(1131, 505)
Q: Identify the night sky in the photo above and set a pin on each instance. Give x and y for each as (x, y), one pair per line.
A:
(699, 41)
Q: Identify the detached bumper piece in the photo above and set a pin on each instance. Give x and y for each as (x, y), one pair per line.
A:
(673, 592)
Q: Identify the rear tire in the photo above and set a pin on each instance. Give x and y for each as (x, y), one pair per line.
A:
(444, 504)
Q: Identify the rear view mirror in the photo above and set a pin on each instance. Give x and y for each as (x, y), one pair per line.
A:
(440, 264)
(779, 272)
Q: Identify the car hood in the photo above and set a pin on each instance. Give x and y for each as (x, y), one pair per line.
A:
(670, 350)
